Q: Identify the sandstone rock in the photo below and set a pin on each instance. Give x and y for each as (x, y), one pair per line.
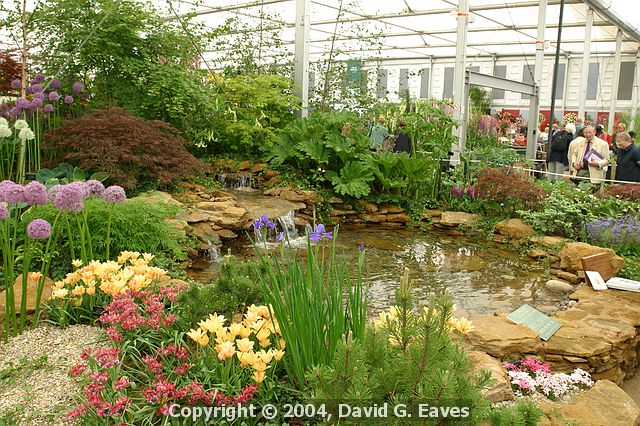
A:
(245, 165)
(291, 194)
(603, 404)
(204, 232)
(571, 253)
(574, 341)
(501, 388)
(537, 253)
(272, 181)
(196, 216)
(566, 276)
(390, 208)
(227, 234)
(454, 219)
(434, 212)
(270, 173)
(338, 212)
(392, 225)
(32, 289)
(258, 167)
(368, 207)
(179, 226)
(559, 286)
(336, 200)
(514, 228)
(498, 337)
(376, 218)
(399, 217)
(158, 197)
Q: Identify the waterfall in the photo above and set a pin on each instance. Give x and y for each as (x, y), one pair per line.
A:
(214, 252)
(288, 226)
(238, 182)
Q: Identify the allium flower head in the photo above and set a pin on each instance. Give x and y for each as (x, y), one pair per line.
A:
(40, 96)
(5, 132)
(81, 187)
(36, 102)
(52, 192)
(39, 78)
(95, 187)
(55, 84)
(77, 87)
(36, 88)
(16, 84)
(35, 193)
(54, 96)
(4, 122)
(48, 108)
(39, 229)
(69, 198)
(11, 193)
(114, 194)
(23, 103)
(4, 212)
(26, 134)
(68, 99)
(20, 124)
(15, 112)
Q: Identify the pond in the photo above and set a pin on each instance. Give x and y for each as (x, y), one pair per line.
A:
(482, 276)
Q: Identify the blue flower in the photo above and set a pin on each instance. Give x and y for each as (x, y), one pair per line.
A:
(280, 237)
(361, 247)
(319, 233)
(262, 222)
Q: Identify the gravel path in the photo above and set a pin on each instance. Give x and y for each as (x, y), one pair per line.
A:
(35, 388)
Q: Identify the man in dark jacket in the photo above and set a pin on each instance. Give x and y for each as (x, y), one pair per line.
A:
(557, 152)
(628, 162)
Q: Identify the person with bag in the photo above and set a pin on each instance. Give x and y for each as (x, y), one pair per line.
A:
(557, 154)
(590, 157)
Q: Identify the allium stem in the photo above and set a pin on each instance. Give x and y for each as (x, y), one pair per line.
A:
(71, 246)
(108, 238)
(44, 270)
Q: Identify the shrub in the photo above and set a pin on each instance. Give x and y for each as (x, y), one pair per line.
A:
(621, 234)
(629, 192)
(133, 151)
(235, 289)
(508, 190)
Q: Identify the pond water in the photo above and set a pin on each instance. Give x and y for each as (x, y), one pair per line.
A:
(482, 276)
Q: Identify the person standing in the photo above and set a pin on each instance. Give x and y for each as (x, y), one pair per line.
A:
(620, 127)
(557, 157)
(403, 141)
(591, 166)
(579, 126)
(377, 134)
(628, 161)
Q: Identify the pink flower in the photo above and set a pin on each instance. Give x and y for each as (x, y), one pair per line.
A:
(121, 383)
(76, 412)
(78, 370)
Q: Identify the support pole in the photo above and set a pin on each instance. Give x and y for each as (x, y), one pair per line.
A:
(614, 85)
(554, 84)
(301, 68)
(430, 91)
(582, 94)
(634, 94)
(534, 108)
(459, 81)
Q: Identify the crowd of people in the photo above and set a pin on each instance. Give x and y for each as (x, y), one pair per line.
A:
(587, 152)
(381, 140)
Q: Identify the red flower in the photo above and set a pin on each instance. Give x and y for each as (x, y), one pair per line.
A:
(181, 369)
(76, 412)
(121, 383)
(78, 370)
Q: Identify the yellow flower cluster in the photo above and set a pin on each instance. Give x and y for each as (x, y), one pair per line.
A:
(460, 325)
(130, 272)
(241, 339)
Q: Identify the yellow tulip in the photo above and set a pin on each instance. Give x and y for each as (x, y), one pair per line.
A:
(258, 376)
(265, 343)
(259, 365)
(246, 358)
(78, 290)
(76, 301)
(199, 336)
(225, 350)
(35, 276)
(76, 263)
(281, 344)
(244, 345)
(245, 332)
(277, 355)
(263, 334)
(91, 290)
(234, 330)
(265, 356)
(60, 293)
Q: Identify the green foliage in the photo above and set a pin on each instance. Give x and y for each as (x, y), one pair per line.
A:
(631, 268)
(65, 173)
(567, 209)
(137, 225)
(129, 56)
(233, 291)
(316, 302)
(479, 99)
(250, 111)
(353, 180)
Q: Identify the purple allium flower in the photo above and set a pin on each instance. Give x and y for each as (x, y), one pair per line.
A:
(15, 112)
(35, 193)
(12, 193)
(55, 84)
(77, 87)
(114, 194)
(39, 229)
(52, 192)
(263, 221)
(36, 102)
(23, 103)
(81, 187)
(28, 91)
(319, 233)
(4, 212)
(95, 187)
(39, 95)
(39, 78)
(69, 198)
(68, 99)
(36, 88)
(16, 84)
(48, 108)
(54, 96)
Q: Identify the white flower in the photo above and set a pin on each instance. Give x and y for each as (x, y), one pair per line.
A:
(26, 133)
(4, 122)
(5, 132)
(21, 124)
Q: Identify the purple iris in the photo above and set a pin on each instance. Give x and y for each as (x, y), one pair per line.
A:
(280, 237)
(262, 222)
(319, 233)
(361, 247)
